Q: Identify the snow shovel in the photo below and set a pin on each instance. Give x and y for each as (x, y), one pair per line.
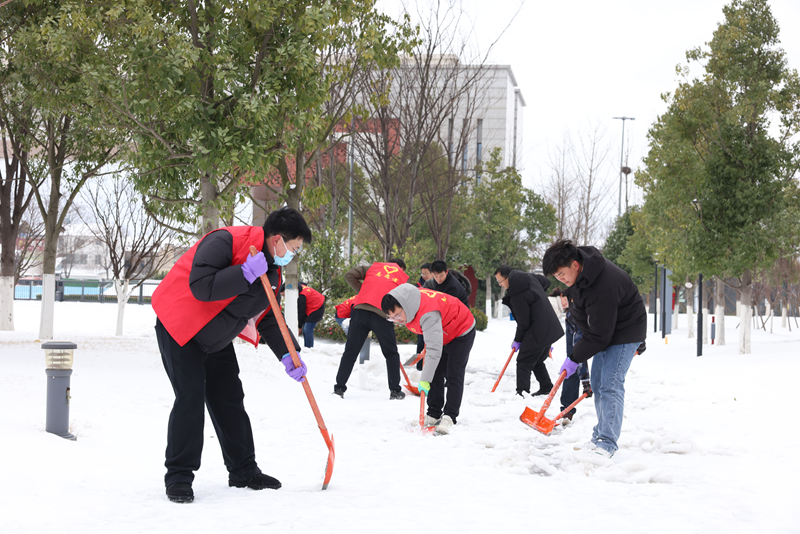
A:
(287, 338)
(537, 420)
(414, 359)
(409, 387)
(504, 370)
(425, 429)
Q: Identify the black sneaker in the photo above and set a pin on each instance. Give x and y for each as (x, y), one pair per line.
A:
(397, 395)
(338, 391)
(258, 482)
(542, 391)
(180, 492)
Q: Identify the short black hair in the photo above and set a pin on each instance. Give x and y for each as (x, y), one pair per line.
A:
(503, 270)
(389, 303)
(426, 266)
(399, 262)
(557, 292)
(289, 223)
(560, 254)
(439, 266)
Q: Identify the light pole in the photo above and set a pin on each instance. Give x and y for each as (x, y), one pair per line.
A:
(621, 157)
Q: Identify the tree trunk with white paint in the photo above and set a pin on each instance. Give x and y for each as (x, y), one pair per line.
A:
(7, 303)
(48, 306)
(488, 296)
(746, 313)
(122, 288)
(719, 311)
(690, 311)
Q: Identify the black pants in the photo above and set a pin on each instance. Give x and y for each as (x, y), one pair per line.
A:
(532, 360)
(362, 322)
(205, 380)
(453, 366)
(571, 386)
(420, 348)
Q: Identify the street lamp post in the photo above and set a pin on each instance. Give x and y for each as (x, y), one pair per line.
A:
(655, 300)
(621, 162)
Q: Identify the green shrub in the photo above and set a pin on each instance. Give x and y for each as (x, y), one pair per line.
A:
(481, 321)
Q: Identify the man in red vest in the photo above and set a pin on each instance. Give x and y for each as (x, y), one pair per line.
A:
(372, 283)
(449, 331)
(310, 310)
(210, 296)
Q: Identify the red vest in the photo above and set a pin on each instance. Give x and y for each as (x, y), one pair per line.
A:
(456, 318)
(344, 309)
(381, 278)
(183, 315)
(314, 299)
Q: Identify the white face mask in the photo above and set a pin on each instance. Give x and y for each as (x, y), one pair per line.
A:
(282, 260)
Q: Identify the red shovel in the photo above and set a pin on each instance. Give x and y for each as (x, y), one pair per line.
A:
(409, 387)
(504, 370)
(287, 338)
(537, 420)
(425, 429)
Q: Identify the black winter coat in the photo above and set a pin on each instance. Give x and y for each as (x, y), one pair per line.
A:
(532, 310)
(605, 305)
(451, 286)
(210, 279)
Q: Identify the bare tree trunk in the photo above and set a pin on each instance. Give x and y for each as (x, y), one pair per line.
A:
(208, 194)
(746, 311)
(719, 311)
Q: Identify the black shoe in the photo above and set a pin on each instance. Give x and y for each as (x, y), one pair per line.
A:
(338, 391)
(258, 482)
(397, 395)
(180, 492)
(543, 391)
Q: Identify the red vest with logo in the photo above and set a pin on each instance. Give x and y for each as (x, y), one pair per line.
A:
(314, 299)
(344, 309)
(381, 278)
(183, 315)
(456, 318)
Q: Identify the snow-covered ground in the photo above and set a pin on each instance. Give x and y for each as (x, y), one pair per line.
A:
(708, 444)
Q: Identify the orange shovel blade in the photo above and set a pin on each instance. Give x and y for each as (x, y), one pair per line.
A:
(331, 458)
(532, 419)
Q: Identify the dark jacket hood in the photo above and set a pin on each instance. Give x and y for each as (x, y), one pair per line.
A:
(518, 282)
(593, 265)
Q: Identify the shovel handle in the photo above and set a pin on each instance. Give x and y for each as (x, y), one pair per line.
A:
(552, 394)
(504, 370)
(422, 408)
(570, 407)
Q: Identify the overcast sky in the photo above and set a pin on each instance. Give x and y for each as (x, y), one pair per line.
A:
(582, 62)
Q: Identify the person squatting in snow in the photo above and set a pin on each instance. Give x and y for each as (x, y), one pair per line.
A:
(210, 296)
(372, 283)
(538, 326)
(449, 331)
(606, 306)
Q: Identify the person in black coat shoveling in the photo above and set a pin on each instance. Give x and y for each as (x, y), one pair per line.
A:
(569, 389)
(210, 296)
(538, 326)
(607, 308)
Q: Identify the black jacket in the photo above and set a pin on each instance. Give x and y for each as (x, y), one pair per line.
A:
(214, 254)
(605, 305)
(532, 309)
(451, 286)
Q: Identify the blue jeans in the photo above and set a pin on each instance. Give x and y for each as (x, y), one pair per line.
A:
(308, 334)
(608, 384)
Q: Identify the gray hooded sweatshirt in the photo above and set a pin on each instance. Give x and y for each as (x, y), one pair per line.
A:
(431, 323)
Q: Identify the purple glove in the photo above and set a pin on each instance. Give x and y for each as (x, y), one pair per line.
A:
(515, 345)
(254, 266)
(569, 366)
(297, 373)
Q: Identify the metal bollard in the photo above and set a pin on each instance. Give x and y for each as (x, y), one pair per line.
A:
(713, 328)
(58, 367)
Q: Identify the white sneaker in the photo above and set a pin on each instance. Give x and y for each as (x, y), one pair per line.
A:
(430, 421)
(444, 425)
(588, 446)
(598, 456)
